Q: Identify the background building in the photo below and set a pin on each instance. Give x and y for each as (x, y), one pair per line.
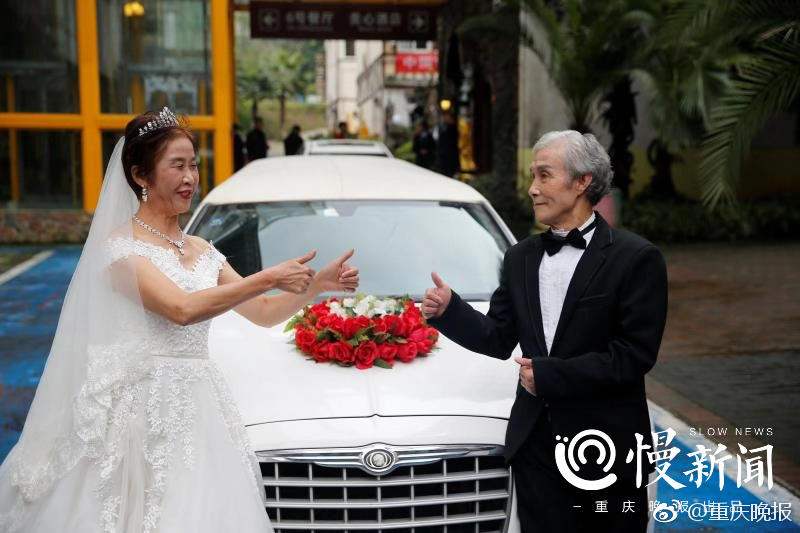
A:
(73, 73)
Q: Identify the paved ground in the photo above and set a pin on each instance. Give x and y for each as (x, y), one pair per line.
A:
(731, 352)
(730, 357)
(9, 259)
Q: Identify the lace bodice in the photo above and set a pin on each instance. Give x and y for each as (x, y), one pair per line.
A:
(165, 337)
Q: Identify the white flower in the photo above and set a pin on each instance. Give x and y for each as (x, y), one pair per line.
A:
(336, 309)
(349, 302)
(390, 305)
(362, 308)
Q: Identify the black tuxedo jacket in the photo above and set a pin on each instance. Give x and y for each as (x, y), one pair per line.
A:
(607, 339)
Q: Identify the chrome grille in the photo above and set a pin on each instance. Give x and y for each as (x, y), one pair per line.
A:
(464, 489)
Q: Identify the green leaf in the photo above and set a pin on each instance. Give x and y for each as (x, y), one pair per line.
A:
(769, 82)
(381, 363)
(296, 319)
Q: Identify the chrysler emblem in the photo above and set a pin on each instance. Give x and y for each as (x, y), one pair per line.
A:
(378, 460)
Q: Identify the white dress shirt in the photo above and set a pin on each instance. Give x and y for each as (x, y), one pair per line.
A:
(555, 274)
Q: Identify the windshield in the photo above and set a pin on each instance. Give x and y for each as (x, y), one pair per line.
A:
(397, 243)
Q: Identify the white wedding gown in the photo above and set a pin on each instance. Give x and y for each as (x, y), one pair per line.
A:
(158, 444)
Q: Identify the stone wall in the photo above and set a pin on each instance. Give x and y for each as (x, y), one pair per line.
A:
(45, 226)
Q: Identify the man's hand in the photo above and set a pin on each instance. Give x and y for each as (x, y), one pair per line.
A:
(526, 374)
(436, 299)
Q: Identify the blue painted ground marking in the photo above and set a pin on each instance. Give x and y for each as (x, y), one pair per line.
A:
(30, 305)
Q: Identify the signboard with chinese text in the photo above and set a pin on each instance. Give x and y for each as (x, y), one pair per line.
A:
(295, 20)
(416, 62)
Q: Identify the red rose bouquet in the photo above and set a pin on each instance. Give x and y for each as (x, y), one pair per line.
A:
(364, 331)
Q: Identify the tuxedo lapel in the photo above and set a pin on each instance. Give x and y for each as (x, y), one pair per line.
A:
(532, 262)
(590, 262)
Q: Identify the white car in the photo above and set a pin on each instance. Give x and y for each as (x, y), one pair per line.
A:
(416, 446)
(346, 147)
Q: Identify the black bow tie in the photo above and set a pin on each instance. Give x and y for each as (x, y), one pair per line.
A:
(553, 243)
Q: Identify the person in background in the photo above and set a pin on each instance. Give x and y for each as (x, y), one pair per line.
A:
(293, 143)
(238, 148)
(424, 145)
(257, 146)
(341, 131)
(447, 153)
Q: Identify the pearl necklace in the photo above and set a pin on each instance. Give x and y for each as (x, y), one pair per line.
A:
(177, 244)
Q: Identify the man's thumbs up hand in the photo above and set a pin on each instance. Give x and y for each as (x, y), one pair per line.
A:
(436, 298)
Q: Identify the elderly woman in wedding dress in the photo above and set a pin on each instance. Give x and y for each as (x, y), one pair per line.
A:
(132, 428)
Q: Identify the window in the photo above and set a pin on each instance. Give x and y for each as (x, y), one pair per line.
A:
(38, 50)
(160, 58)
(48, 172)
(350, 48)
(414, 46)
(397, 241)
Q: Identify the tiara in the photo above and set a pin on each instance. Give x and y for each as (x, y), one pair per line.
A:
(165, 119)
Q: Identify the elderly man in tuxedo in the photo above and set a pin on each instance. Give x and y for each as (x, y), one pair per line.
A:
(587, 304)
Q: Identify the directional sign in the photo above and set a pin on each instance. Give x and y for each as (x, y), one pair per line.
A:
(287, 20)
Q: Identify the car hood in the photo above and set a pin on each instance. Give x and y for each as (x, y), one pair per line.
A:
(271, 381)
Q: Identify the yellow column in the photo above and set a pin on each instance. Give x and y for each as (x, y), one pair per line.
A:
(89, 88)
(224, 89)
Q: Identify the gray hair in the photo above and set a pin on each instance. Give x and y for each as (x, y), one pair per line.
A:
(583, 154)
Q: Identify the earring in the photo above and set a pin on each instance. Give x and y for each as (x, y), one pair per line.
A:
(144, 194)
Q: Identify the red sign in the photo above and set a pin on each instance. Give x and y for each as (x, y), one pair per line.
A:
(416, 62)
(296, 20)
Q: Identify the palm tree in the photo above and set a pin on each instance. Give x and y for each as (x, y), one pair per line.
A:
(685, 73)
(287, 77)
(590, 49)
(591, 45)
(765, 81)
(252, 81)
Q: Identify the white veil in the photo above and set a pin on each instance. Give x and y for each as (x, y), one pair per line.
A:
(93, 346)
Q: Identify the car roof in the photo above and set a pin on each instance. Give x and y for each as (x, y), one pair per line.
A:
(347, 146)
(293, 178)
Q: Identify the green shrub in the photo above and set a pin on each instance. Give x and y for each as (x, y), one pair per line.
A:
(405, 152)
(683, 220)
